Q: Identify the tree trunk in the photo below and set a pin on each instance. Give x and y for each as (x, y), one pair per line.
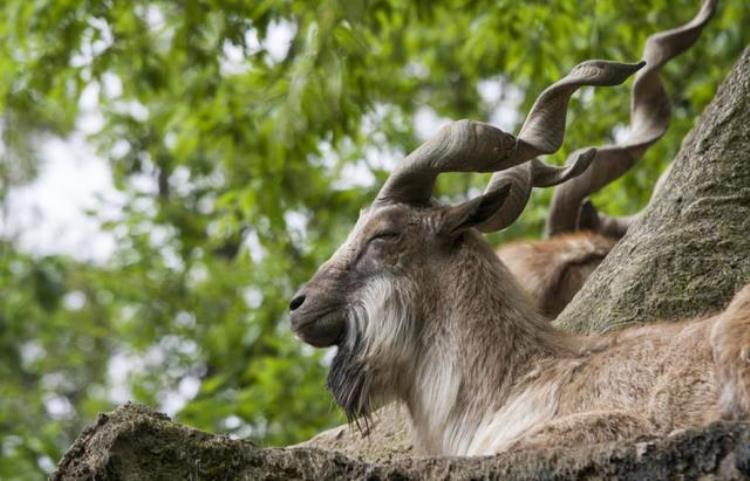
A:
(690, 252)
(686, 257)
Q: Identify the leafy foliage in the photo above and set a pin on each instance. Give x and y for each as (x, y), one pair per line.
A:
(244, 160)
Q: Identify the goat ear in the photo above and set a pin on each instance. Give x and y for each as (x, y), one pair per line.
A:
(588, 217)
(474, 212)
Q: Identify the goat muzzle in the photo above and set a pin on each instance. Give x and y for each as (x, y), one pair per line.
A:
(316, 322)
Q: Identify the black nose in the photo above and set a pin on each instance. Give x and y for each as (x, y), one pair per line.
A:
(296, 302)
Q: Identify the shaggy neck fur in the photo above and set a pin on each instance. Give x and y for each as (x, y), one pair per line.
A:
(477, 348)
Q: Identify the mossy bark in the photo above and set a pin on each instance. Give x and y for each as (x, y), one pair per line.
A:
(686, 257)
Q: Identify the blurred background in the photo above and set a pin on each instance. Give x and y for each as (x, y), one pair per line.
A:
(170, 171)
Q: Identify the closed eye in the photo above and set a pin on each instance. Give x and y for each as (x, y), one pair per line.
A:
(385, 235)
(376, 241)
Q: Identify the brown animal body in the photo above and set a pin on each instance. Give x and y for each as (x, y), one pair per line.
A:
(651, 380)
(553, 270)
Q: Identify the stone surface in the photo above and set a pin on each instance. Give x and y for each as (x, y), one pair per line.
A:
(388, 439)
(135, 443)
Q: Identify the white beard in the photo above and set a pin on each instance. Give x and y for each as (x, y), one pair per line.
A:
(379, 347)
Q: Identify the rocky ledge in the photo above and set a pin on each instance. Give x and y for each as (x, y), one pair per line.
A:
(135, 443)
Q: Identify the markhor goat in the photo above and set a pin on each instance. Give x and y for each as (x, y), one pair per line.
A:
(553, 270)
(423, 312)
